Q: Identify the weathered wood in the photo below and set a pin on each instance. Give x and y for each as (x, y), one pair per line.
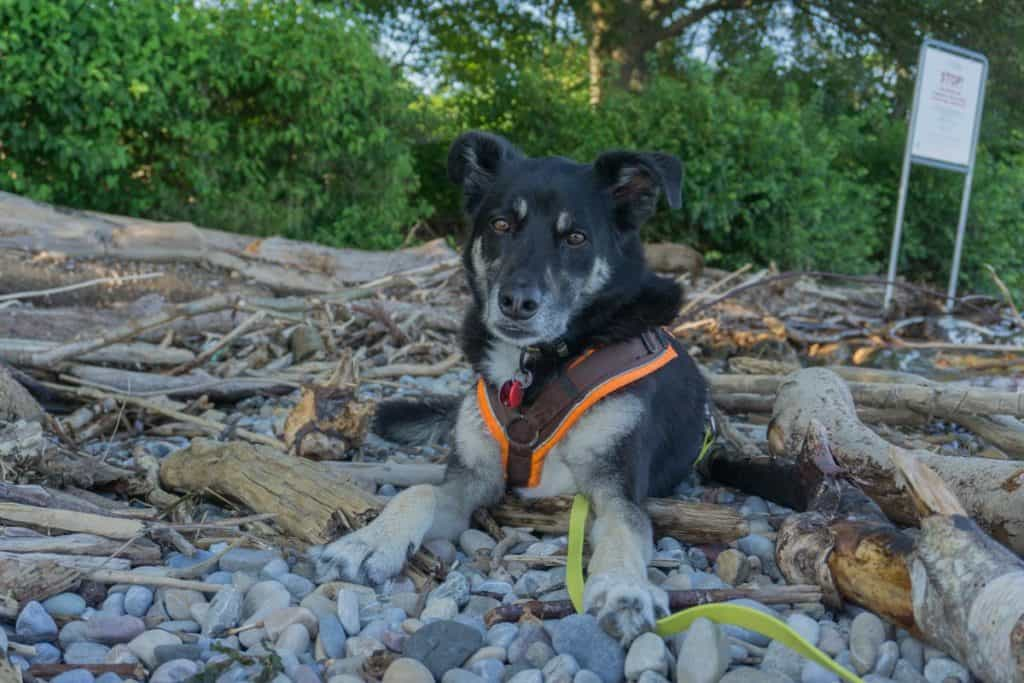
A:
(15, 401)
(24, 578)
(142, 551)
(674, 258)
(67, 520)
(407, 474)
(991, 490)
(20, 352)
(125, 670)
(194, 384)
(689, 522)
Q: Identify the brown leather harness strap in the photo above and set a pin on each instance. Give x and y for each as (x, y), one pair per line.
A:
(527, 434)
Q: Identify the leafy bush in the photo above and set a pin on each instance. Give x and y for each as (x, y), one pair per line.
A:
(262, 116)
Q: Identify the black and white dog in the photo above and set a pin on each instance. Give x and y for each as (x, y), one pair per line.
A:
(555, 258)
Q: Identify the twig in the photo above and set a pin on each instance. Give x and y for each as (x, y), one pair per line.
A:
(133, 329)
(136, 579)
(50, 670)
(1006, 294)
(114, 279)
(708, 291)
(412, 369)
(559, 561)
(244, 327)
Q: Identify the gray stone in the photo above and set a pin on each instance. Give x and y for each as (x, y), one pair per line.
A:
(174, 671)
(439, 609)
(179, 626)
(406, 670)
(178, 601)
(701, 580)
(759, 546)
(732, 567)
(243, 581)
(528, 676)
(121, 654)
(198, 611)
(144, 646)
(265, 597)
(443, 548)
(867, 633)
(913, 652)
(502, 634)
(113, 605)
(585, 676)
(745, 674)
(331, 636)
(781, 659)
(529, 633)
(487, 652)
(580, 636)
(137, 601)
(348, 611)
(167, 653)
(697, 559)
(491, 670)
(745, 635)
(815, 673)
(345, 678)
(4, 644)
(473, 541)
(223, 578)
(246, 560)
(74, 676)
(888, 655)
(830, 640)
(274, 569)
(455, 586)
(109, 677)
(809, 629)
(479, 605)
(906, 673)
(362, 646)
(86, 653)
(224, 612)
(539, 654)
(47, 654)
(65, 605)
(532, 583)
(940, 669)
(443, 645)
(704, 653)
(461, 676)
(560, 669)
(647, 653)
(304, 674)
(294, 638)
(652, 677)
(496, 587)
(111, 630)
(298, 586)
(34, 623)
(277, 621)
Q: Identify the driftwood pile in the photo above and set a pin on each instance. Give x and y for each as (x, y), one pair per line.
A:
(912, 489)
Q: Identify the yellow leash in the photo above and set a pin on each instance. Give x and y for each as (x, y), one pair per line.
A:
(736, 615)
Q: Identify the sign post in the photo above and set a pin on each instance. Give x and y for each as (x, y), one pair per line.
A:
(944, 121)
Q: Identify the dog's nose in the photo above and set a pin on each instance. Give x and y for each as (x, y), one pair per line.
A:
(519, 303)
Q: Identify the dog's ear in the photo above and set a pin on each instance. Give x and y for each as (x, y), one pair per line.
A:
(636, 178)
(474, 161)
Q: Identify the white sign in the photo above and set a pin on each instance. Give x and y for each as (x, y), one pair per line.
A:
(948, 107)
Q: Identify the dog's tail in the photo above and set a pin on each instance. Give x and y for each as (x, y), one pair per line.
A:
(418, 422)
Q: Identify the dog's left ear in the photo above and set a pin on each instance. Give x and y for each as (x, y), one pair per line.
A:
(474, 162)
(636, 178)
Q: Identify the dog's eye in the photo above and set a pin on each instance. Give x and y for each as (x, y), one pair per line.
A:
(500, 225)
(575, 238)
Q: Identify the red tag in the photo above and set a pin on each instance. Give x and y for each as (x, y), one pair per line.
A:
(511, 394)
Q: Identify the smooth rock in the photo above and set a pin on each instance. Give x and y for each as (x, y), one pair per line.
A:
(65, 605)
(174, 671)
(111, 630)
(406, 670)
(732, 567)
(109, 677)
(443, 549)
(528, 634)
(913, 652)
(461, 676)
(331, 638)
(265, 597)
(439, 609)
(137, 601)
(179, 626)
(121, 654)
(867, 633)
(580, 636)
(528, 676)
(502, 634)
(410, 626)
(830, 640)
(473, 541)
(319, 605)
(298, 586)
(647, 653)
(294, 638)
(86, 653)
(487, 652)
(274, 569)
(479, 605)
(33, 622)
(746, 674)
(496, 587)
(539, 654)
(345, 678)
(348, 611)
(815, 673)
(167, 653)
(704, 653)
(223, 578)
(362, 646)
(4, 644)
(940, 669)
(781, 659)
(888, 655)
(809, 629)
(560, 669)
(143, 646)
(304, 674)
(745, 635)
(491, 670)
(585, 676)
(113, 605)
(906, 673)
(178, 601)
(277, 621)
(443, 645)
(455, 586)
(74, 676)
(246, 560)
(224, 612)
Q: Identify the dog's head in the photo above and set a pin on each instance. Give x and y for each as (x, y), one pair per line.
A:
(552, 237)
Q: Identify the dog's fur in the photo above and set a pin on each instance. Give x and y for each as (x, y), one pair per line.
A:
(637, 442)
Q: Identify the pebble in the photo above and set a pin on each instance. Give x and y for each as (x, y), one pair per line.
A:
(888, 655)
(647, 653)
(113, 605)
(502, 634)
(442, 645)
(913, 652)
(443, 549)
(906, 673)
(732, 567)
(137, 601)
(111, 630)
(345, 678)
(745, 674)
(479, 605)
(528, 676)
(815, 673)
(473, 541)
(585, 676)
(74, 676)
(34, 623)
(274, 569)
(265, 597)
(47, 654)
(809, 629)
(174, 671)
(246, 560)
(298, 586)
(224, 612)
(167, 653)
(121, 654)
(745, 635)
(580, 636)
(144, 645)
(348, 611)
(830, 641)
(294, 638)
(528, 634)
(331, 636)
(461, 676)
(487, 652)
(456, 587)
(496, 587)
(86, 653)
(406, 670)
(179, 626)
(278, 620)
(940, 669)
(178, 601)
(704, 653)
(867, 633)
(109, 677)
(362, 646)
(560, 669)
(439, 609)
(4, 644)
(539, 653)
(652, 677)
(697, 558)
(491, 670)
(65, 605)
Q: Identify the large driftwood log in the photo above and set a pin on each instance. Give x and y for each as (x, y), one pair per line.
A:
(20, 352)
(195, 383)
(991, 490)
(141, 551)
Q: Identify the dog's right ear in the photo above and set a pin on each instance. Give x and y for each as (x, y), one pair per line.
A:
(474, 161)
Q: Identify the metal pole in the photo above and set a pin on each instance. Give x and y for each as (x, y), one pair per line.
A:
(965, 202)
(894, 251)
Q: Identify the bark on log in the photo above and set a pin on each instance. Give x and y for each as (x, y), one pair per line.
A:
(66, 520)
(142, 551)
(991, 490)
(20, 352)
(192, 385)
(24, 579)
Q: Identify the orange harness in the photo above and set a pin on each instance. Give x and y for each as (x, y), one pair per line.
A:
(526, 435)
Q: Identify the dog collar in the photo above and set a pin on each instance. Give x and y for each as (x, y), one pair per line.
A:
(527, 433)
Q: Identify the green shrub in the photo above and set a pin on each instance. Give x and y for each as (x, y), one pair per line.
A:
(262, 116)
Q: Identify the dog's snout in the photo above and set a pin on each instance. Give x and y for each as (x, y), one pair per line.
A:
(519, 302)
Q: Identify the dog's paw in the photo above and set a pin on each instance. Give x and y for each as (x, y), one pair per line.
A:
(625, 606)
(362, 556)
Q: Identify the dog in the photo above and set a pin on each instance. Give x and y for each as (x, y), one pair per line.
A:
(555, 265)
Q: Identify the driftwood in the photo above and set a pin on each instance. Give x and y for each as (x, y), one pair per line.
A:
(66, 520)
(991, 490)
(195, 383)
(954, 587)
(15, 401)
(678, 600)
(20, 352)
(23, 579)
(142, 551)
(125, 670)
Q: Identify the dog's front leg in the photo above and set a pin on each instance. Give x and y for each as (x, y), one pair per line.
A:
(377, 552)
(618, 592)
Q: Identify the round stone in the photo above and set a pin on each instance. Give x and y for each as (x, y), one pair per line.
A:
(809, 629)
(65, 605)
(647, 653)
(34, 623)
(144, 645)
(111, 630)
(941, 669)
(732, 567)
(294, 638)
(867, 633)
(174, 671)
(74, 676)
(138, 600)
(473, 541)
(407, 670)
(348, 611)
(704, 653)
(86, 653)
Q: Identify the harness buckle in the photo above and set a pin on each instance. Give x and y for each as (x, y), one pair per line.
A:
(516, 434)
